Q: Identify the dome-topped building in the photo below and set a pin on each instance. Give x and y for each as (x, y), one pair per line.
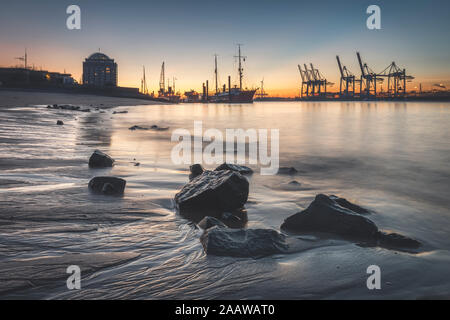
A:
(99, 70)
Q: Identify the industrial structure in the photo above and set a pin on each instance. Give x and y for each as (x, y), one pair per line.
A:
(347, 81)
(99, 71)
(261, 94)
(169, 94)
(315, 83)
(396, 80)
(144, 88)
(370, 82)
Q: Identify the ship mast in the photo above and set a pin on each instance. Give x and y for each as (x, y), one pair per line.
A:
(240, 69)
(162, 80)
(24, 59)
(215, 72)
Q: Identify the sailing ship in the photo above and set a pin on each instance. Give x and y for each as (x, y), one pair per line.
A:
(235, 94)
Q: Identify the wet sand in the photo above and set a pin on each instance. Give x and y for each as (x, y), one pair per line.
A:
(13, 98)
(389, 158)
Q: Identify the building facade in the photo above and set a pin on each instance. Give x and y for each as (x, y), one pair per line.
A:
(99, 71)
(21, 77)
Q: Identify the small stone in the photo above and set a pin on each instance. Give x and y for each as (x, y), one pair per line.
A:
(107, 185)
(287, 170)
(100, 160)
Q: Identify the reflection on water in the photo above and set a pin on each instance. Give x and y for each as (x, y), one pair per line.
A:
(390, 157)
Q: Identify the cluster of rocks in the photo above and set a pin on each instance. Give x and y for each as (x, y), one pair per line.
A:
(104, 184)
(338, 217)
(68, 107)
(215, 198)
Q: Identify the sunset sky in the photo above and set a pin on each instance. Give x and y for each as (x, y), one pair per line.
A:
(277, 35)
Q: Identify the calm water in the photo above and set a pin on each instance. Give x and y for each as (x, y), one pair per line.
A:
(390, 157)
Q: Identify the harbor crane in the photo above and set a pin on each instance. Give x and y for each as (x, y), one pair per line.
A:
(368, 81)
(397, 79)
(305, 81)
(261, 93)
(347, 81)
(313, 79)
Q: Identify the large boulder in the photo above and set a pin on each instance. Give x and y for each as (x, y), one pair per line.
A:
(214, 192)
(100, 160)
(234, 167)
(107, 185)
(337, 216)
(222, 241)
(326, 215)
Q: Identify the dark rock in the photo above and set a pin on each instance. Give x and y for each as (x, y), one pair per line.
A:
(236, 219)
(137, 164)
(324, 214)
(287, 170)
(213, 191)
(107, 185)
(100, 160)
(234, 167)
(59, 122)
(155, 127)
(334, 215)
(346, 204)
(395, 240)
(65, 107)
(135, 127)
(222, 241)
(196, 170)
(115, 112)
(85, 110)
(209, 222)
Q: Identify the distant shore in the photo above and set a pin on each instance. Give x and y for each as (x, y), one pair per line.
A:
(22, 98)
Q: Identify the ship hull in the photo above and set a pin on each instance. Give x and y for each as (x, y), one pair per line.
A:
(244, 96)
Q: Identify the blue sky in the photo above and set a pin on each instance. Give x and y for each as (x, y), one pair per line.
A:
(277, 35)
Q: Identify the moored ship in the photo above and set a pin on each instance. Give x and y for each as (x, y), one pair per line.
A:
(235, 94)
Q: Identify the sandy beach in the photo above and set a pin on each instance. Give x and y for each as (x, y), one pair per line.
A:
(18, 98)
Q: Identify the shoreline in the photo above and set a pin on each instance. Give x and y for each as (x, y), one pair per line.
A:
(22, 98)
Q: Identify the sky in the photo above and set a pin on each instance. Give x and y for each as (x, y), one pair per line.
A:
(276, 36)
